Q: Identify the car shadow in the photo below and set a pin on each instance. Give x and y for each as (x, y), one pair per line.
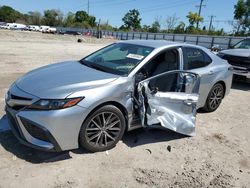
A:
(131, 139)
(148, 136)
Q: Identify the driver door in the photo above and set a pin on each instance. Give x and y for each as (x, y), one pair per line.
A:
(169, 100)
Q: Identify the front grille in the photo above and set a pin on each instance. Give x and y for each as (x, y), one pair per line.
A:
(238, 61)
(17, 102)
(35, 131)
(19, 107)
(19, 98)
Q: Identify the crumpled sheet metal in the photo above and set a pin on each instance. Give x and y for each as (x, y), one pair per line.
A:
(165, 108)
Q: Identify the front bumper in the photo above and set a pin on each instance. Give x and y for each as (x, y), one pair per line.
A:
(54, 130)
(239, 71)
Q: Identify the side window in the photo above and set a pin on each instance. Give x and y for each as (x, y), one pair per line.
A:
(195, 58)
(163, 62)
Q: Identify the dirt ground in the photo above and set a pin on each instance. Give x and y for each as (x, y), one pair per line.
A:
(218, 156)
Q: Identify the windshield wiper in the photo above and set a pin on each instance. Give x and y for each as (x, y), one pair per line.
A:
(98, 68)
(94, 66)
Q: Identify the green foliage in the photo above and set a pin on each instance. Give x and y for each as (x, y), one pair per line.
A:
(69, 20)
(8, 14)
(81, 16)
(242, 15)
(180, 28)
(52, 17)
(34, 18)
(156, 27)
(194, 18)
(132, 20)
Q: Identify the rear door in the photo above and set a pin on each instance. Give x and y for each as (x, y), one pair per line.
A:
(196, 60)
(169, 100)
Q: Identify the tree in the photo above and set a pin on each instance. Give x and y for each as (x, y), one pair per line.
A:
(194, 18)
(34, 18)
(92, 21)
(132, 20)
(156, 27)
(242, 15)
(170, 22)
(8, 14)
(69, 20)
(180, 28)
(146, 28)
(81, 16)
(52, 17)
(84, 20)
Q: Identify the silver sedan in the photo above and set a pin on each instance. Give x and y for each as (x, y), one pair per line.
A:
(124, 86)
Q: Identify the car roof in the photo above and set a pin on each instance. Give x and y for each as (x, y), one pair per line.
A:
(158, 43)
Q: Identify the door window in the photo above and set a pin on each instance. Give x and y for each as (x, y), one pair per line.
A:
(195, 58)
(163, 62)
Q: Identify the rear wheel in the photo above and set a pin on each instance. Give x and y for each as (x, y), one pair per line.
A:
(102, 129)
(214, 98)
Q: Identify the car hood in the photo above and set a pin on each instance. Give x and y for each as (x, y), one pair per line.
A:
(237, 52)
(59, 80)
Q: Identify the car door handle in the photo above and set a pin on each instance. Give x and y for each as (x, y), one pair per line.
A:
(189, 102)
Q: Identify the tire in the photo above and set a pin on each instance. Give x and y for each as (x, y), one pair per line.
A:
(214, 98)
(98, 135)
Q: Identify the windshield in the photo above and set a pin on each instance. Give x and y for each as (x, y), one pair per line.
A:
(245, 44)
(119, 58)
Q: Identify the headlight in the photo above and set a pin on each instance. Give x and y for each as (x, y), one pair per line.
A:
(55, 104)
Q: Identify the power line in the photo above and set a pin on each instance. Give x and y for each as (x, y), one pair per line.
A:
(167, 7)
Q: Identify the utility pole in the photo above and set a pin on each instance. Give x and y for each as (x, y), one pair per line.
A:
(88, 7)
(211, 22)
(199, 13)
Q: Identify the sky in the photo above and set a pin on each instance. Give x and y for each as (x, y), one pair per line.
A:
(113, 10)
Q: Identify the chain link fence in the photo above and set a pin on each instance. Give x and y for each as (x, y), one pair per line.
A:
(203, 40)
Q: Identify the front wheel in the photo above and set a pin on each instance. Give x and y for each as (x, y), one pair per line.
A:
(214, 98)
(102, 129)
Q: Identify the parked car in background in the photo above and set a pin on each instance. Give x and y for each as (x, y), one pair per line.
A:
(18, 26)
(69, 33)
(239, 57)
(51, 30)
(43, 28)
(33, 28)
(7, 25)
(124, 86)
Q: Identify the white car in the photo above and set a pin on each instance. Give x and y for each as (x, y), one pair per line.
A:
(8, 26)
(43, 28)
(17, 26)
(33, 28)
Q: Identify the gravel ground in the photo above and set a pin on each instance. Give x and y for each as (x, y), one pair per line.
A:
(218, 156)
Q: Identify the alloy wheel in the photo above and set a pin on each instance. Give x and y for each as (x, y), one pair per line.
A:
(216, 97)
(103, 129)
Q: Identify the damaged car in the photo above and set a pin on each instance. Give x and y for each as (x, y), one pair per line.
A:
(90, 103)
(239, 57)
